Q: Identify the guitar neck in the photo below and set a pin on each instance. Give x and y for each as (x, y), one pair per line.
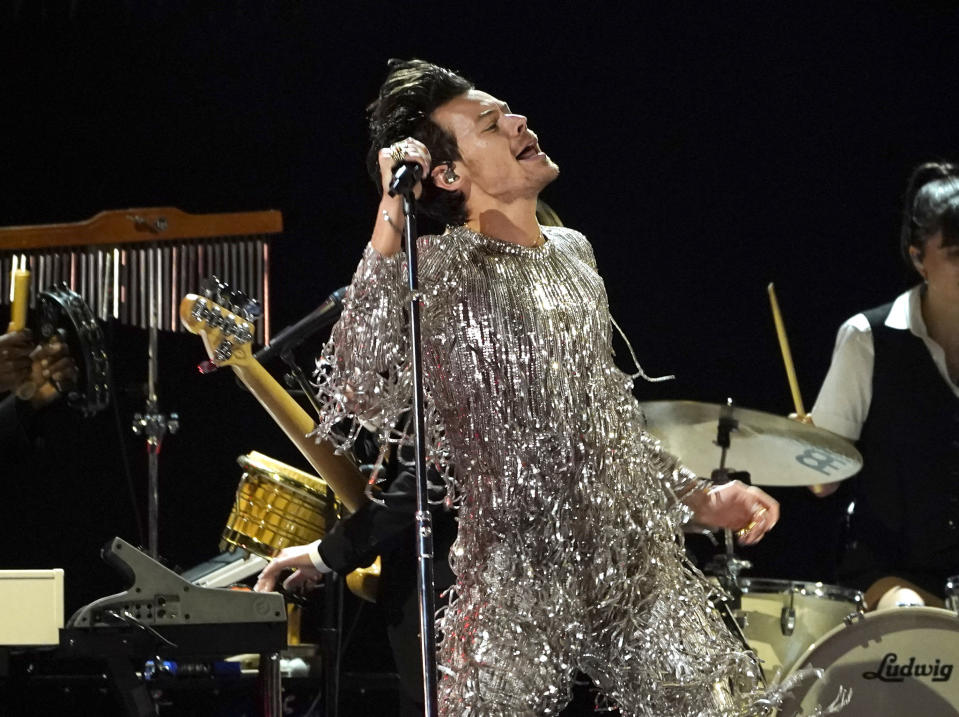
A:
(337, 470)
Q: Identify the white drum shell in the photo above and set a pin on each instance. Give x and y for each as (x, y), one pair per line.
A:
(817, 609)
(897, 662)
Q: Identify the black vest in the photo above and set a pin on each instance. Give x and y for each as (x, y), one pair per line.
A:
(907, 496)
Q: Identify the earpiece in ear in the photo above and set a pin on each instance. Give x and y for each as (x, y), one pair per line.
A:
(449, 176)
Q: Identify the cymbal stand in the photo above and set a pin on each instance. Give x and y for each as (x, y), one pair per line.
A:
(727, 566)
(152, 424)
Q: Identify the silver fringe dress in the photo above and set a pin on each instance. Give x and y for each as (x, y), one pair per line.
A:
(569, 553)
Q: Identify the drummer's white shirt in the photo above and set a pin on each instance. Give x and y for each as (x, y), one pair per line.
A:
(846, 393)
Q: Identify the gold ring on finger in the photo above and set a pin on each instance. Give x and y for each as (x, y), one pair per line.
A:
(396, 153)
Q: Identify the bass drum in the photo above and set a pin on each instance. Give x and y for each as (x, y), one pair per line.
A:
(897, 662)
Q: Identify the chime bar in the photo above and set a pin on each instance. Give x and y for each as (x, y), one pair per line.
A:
(119, 260)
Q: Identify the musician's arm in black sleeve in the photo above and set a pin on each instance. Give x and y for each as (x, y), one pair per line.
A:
(356, 540)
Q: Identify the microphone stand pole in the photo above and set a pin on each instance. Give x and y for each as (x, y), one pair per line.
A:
(424, 521)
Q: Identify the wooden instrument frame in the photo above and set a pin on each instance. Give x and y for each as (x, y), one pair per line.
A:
(122, 226)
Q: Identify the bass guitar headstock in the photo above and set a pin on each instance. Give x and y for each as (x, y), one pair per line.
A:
(223, 318)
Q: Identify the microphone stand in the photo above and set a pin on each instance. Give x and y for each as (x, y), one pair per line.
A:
(424, 520)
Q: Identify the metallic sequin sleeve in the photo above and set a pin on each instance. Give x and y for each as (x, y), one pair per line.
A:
(678, 480)
(363, 373)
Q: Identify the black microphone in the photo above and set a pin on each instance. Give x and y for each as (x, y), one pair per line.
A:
(292, 336)
(405, 177)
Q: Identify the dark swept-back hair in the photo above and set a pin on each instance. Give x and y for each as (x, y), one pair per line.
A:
(407, 98)
(931, 205)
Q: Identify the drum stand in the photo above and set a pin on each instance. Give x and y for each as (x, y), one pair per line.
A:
(726, 566)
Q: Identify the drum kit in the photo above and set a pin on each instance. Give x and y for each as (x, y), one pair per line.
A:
(893, 661)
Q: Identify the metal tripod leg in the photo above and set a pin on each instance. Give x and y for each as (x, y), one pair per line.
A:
(271, 686)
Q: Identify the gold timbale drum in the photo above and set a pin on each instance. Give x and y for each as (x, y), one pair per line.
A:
(277, 506)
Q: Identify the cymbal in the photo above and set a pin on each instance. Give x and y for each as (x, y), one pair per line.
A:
(777, 451)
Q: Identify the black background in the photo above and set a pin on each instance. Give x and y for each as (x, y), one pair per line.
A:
(705, 151)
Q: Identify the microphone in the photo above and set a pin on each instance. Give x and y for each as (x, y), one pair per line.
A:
(405, 177)
(292, 336)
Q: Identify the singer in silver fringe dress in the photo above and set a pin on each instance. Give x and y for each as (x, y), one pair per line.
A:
(569, 555)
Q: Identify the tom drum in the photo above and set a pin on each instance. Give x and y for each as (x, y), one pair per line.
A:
(276, 506)
(782, 618)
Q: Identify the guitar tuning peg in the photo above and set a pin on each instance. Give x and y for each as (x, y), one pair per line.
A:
(254, 310)
(213, 288)
(208, 286)
(224, 295)
(245, 306)
(238, 299)
(223, 351)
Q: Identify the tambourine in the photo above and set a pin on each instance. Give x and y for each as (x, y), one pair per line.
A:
(64, 313)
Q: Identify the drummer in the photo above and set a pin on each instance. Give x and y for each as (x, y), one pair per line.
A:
(893, 386)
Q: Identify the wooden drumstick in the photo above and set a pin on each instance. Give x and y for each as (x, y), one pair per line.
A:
(787, 355)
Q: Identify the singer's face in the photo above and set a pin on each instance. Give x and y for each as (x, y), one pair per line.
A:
(500, 157)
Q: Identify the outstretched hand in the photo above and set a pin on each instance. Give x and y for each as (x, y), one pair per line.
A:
(748, 510)
(305, 576)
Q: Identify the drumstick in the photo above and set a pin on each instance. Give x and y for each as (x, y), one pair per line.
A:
(20, 278)
(787, 355)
